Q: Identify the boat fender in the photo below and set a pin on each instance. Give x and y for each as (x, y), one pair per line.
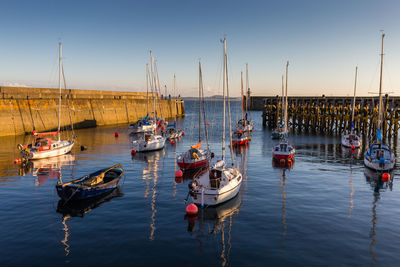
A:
(195, 156)
(20, 147)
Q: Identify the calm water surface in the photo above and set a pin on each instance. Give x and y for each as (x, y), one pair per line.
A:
(324, 211)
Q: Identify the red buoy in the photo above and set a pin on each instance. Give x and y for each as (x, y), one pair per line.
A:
(207, 123)
(353, 148)
(133, 152)
(17, 161)
(178, 180)
(116, 134)
(386, 177)
(183, 133)
(178, 173)
(192, 209)
(172, 142)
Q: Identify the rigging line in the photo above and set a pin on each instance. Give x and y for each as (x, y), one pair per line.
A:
(67, 100)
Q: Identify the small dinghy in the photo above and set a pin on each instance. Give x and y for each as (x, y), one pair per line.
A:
(91, 185)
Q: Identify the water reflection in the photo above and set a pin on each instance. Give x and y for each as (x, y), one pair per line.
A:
(378, 185)
(45, 169)
(150, 174)
(79, 208)
(283, 216)
(212, 221)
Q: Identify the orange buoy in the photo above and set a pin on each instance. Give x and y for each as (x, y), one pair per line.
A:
(116, 134)
(178, 173)
(207, 123)
(183, 133)
(386, 177)
(172, 142)
(192, 209)
(133, 152)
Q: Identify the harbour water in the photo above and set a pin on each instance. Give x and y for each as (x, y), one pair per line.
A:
(324, 211)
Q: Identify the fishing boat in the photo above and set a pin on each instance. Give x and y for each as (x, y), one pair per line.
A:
(91, 185)
(244, 123)
(150, 141)
(350, 139)
(379, 157)
(220, 183)
(172, 132)
(284, 152)
(241, 136)
(196, 157)
(43, 146)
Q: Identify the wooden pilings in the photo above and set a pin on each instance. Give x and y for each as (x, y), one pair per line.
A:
(332, 115)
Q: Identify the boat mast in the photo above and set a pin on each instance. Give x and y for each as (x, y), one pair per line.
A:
(243, 104)
(380, 91)
(59, 86)
(152, 88)
(286, 99)
(200, 86)
(147, 87)
(282, 99)
(354, 99)
(223, 97)
(175, 98)
(229, 104)
(247, 87)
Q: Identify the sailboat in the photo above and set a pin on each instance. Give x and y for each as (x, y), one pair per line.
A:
(196, 157)
(150, 141)
(172, 131)
(145, 124)
(241, 136)
(351, 139)
(280, 132)
(379, 157)
(45, 147)
(220, 183)
(244, 123)
(284, 152)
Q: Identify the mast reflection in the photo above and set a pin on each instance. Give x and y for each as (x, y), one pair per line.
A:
(378, 184)
(283, 216)
(212, 220)
(78, 208)
(150, 174)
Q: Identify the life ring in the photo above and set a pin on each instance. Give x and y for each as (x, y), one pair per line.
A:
(20, 147)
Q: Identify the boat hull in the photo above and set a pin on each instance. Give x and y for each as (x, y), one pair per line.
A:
(48, 153)
(193, 165)
(215, 199)
(141, 146)
(376, 166)
(346, 142)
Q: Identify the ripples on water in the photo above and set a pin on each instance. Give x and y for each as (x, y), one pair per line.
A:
(324, 211)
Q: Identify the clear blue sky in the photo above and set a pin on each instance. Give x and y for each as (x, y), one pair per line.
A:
(106, 44)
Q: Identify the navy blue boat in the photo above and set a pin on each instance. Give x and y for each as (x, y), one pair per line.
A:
(91, 185)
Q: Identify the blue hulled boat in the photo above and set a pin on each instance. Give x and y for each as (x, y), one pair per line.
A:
(91, 185)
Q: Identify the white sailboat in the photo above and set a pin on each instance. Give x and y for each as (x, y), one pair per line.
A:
(172, 131)
(45, 147)
(146, 124)
(350, 139)
(220, 183)
(241, 136)
(379, 157)
(245, 124)
(280, 132)
(150, 141)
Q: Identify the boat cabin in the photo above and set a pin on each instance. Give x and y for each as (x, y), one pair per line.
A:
(43, 143)
(215, 178)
